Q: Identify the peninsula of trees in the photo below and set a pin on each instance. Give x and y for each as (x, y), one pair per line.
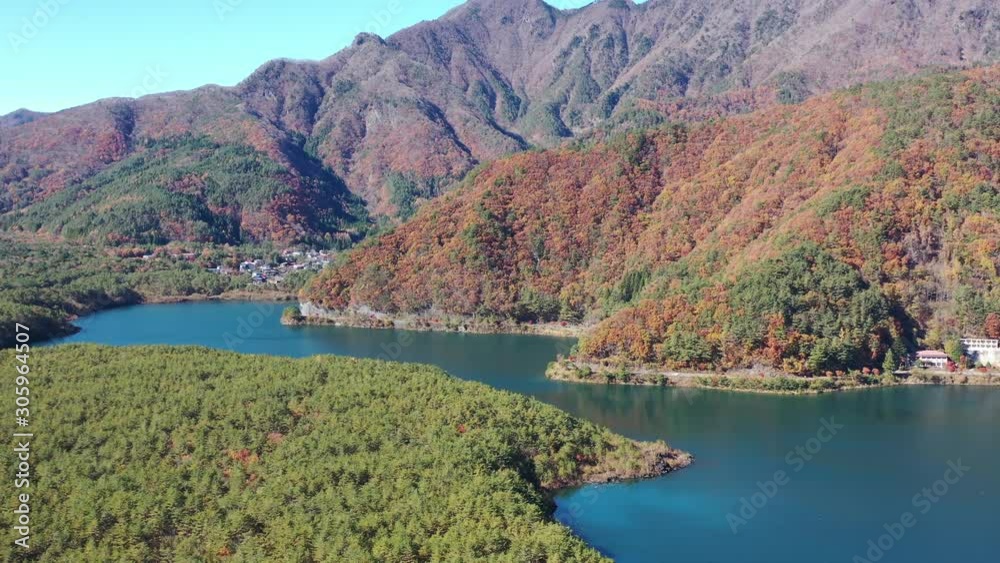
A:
(189, 454)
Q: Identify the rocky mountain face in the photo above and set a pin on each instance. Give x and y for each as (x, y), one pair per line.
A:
(810, 237)
(398, 120)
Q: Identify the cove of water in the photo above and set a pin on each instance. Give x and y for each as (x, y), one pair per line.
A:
(838, 495)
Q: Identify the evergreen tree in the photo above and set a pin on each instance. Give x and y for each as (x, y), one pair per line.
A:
(891, 364)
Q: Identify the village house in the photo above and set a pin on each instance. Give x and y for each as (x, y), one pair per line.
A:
(932, 359)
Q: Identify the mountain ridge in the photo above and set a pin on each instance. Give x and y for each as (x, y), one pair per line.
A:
(398, 120)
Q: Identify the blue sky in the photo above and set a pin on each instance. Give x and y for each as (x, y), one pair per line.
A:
(62, 53)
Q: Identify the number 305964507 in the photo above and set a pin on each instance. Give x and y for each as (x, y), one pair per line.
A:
(23, 349)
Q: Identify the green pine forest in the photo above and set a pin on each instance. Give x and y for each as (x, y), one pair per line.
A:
(189, 454)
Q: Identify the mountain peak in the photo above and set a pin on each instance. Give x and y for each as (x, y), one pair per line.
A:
(365, 38)
(19, 116)
(502, 9)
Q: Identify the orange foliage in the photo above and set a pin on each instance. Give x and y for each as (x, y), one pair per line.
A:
(695, 207)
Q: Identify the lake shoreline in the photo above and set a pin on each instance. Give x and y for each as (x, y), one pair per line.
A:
(736, 438)
(743, 381)
(70, 328)
(659, 459)
(750, 382)
(237, 295)
(312, 315)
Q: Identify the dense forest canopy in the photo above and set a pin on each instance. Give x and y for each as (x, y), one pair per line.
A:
(811, 237)
(190, 188)
(188, 454)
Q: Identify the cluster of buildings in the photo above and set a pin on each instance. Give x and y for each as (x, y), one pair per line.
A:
(261, 271)
(982, 351)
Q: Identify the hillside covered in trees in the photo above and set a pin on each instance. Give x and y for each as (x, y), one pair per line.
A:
(193, 189)
(397, 120)
(809, 237)
(187, 454)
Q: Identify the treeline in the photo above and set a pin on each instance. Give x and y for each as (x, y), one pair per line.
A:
(811, 238)
(188, 454)
(45, 285)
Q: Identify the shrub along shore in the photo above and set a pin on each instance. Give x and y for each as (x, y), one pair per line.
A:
(310, 314)
(756, 381)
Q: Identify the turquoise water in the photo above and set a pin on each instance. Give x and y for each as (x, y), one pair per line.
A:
(884, 449)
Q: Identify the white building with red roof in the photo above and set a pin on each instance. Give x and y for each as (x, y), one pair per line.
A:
(933, 359)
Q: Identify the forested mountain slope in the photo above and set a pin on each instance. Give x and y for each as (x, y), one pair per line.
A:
(197, 190)
(807, 237)
(397, 120)
(189, 454)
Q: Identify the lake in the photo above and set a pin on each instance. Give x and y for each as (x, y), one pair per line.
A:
(777, 479)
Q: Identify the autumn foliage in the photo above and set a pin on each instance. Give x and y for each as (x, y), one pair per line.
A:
(811, 237)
